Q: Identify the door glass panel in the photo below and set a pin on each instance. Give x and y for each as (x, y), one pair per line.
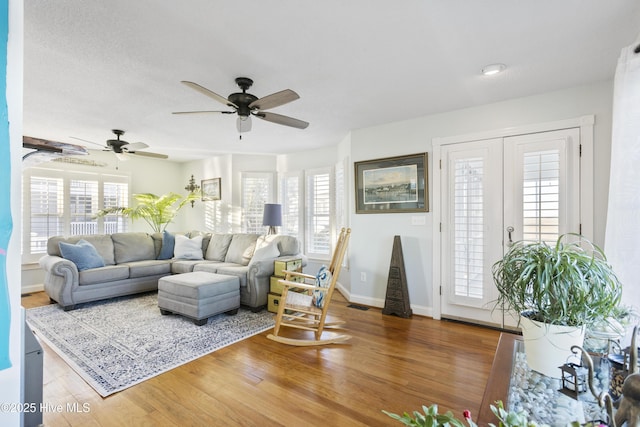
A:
(468, 227)
(541, 196)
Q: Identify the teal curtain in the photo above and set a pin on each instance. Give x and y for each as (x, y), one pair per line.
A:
(6, 223)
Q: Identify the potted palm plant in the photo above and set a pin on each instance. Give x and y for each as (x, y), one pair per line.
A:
(557, 291)
(157, 211)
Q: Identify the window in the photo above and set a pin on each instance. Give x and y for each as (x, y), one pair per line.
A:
(541, 196)
(468, 226)
(257, 189)
(323, 213)
(65, 203)
(46, 216)
(318, 213)
(290, 198)
(340, 205)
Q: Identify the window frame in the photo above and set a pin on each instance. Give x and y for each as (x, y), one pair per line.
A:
(310, 216)
(270, 197)
(66, 177)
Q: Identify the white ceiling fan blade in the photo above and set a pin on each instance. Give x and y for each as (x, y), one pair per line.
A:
(135, 146)
(274, 100)
(243, 124)
(210, 94)
(149, 154)
(123, 157)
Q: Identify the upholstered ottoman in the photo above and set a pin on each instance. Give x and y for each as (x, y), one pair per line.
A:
(199, 295)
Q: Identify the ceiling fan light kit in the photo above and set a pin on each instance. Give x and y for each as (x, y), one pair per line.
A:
(245, 105)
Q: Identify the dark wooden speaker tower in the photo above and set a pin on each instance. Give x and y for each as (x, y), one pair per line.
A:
(397, 301)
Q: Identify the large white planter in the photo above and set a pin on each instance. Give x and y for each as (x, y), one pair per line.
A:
(547, 347)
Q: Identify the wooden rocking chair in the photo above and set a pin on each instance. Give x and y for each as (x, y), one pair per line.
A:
(304, 305)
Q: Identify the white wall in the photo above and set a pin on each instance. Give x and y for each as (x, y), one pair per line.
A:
(211, 215)
(223, 216)
(372, 236)
(10, 390)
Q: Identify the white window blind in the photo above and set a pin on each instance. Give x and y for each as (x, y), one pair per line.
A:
(340, 206)
(115, 194)
(83, 202)
(541, 196)
(64, 203)
(318, 213)
(290, 199)
(46, 216)
(468, 227)
(257, 189)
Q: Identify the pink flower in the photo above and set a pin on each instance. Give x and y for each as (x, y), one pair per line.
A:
(466, 414)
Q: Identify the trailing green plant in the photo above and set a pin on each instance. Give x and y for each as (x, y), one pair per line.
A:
(157, 211)
(569, 284)
(431, 418)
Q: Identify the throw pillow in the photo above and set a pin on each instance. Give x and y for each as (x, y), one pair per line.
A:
(186, 248)
(323, 279)
(83, 254)
(218, 246)
(264, 253)
(168, 243)
(241, 248)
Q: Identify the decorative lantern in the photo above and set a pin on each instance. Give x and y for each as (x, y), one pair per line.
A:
(574, 379)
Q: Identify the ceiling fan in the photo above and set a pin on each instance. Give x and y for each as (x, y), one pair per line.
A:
(45, 150)
(247, 105)
(122, 148)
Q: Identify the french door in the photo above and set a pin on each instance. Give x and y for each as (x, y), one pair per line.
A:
(495, 192)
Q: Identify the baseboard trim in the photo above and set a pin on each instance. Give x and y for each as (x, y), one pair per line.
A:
(379, 303)
(31, 288)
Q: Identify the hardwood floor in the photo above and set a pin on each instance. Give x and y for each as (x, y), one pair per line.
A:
(390, 363)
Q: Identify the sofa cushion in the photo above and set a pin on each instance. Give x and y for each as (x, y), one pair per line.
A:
(179, 266)
(287, 245)
(168, 243)
(212, 267)
(188, 248)
(109, 273)
(240, 272)
(83, 254)
(130, 247)
(267, 252)
(241, 248)
(218, 246)
(102, 243)
(148, 268)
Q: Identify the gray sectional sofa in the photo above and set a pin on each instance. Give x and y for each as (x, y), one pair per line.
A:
(129, 263)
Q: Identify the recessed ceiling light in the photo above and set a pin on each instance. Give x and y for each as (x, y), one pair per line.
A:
(492, 69)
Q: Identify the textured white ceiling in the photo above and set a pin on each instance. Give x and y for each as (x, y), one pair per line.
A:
(92, 66)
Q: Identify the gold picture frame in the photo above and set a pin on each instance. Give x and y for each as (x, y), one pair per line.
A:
(211, 189)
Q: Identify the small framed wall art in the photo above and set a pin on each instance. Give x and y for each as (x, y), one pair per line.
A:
(210, 189)
(392, 185)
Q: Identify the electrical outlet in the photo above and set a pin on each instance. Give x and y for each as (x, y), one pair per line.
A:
(363, 276)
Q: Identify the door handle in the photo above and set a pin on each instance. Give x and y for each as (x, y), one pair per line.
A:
(510, 230)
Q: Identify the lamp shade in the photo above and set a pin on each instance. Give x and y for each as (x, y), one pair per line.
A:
(272, 215)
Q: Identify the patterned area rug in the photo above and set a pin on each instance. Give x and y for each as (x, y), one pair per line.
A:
(120, 342)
